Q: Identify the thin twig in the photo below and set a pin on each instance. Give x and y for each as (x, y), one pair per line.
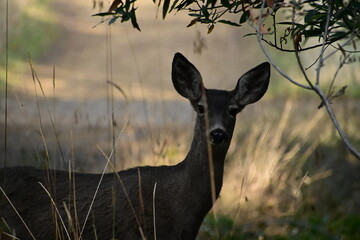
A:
(275, 30)
(316, 60)
(300, 50)
(337, 50)
(267, 54)
(6, 80)
(336, 124)
(325, 37)
(303, 70)
(342, 62)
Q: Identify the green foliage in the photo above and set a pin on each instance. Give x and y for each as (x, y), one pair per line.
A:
(29, 37)
(221, 227)
(292, 228)
(125, 11)
(26, 35)
(335, 19)
(331, 19)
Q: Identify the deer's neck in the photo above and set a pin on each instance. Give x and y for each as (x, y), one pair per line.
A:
(197, 162)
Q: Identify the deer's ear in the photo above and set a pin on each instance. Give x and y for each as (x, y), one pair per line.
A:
(186, 78)
(252, 85)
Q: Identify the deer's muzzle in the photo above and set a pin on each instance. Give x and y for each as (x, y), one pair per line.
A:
(218, 136)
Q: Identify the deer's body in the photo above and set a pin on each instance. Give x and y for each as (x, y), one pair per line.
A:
(172, 217)
(167, 202)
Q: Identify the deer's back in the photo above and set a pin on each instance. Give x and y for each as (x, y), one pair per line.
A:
(27, 189)
(122, 203)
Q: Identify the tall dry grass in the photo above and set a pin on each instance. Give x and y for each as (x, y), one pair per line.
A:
(266, 165)
(284, 158)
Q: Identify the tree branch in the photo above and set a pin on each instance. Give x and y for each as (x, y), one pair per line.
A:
(336, 124)
(315, 87)
(267, 54)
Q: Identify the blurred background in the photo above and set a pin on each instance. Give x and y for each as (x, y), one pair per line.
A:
(287, 173)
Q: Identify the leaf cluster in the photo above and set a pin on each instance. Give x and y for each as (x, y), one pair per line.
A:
(331, 20)
(211, 12)
(123, 11)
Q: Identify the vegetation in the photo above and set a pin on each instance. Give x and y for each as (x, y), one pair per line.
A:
(318, 30)
(328, 21)
(286, 177)
(28, 28)
(318, 228)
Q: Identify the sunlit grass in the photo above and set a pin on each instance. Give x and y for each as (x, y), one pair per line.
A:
(285, 161)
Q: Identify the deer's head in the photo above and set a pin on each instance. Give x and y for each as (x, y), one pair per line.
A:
(217, 109)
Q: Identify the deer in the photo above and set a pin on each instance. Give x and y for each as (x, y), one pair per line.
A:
(147, 202)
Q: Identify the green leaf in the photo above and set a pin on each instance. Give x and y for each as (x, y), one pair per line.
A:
(204, 10)
(226, 3)
(340, 92)
(250, 34)
(211, 28)
(183, 4)
(133, 19)
(339, 3)
(111, 21)
(125, 16)
(194, 15)
(338, 35)
(173, 6)
(229, 23)
(102, 14)
(298, 25)
(127, 5)
(213, 3)
(195, 20)
(308, 17)
(320, 16)
(206, 20)
(166, 8)
(244, 17)
(312, 33)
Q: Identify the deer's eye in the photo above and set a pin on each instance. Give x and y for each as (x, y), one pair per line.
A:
(233, 111)
(201, 109)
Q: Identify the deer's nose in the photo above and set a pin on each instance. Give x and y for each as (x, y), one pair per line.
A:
(218, 136)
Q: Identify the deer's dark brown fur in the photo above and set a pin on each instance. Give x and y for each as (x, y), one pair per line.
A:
(182, 196)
